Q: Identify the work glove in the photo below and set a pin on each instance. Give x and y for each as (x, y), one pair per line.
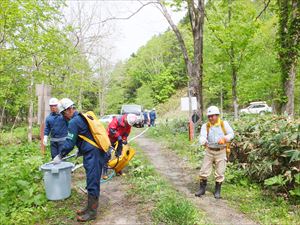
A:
(57, 159)
(45, 140)
(119, 149)
(222, 141)
(107, 156)
(202, 141)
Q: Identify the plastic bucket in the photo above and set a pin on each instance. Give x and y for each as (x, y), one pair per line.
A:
(57, 180)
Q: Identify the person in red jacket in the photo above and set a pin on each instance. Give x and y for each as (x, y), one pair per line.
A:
(119, 129)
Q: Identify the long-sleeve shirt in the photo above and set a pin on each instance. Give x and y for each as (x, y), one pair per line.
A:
(152, 115)
(118, 129)
(56, 126)
(215, 134)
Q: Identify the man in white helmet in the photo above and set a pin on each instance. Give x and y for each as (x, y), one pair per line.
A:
(119, 129)
(56, 128)
(93, 158)
(215, 134)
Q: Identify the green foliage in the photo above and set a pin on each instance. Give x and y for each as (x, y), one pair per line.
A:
(268, 148)
(22, 198)
(35, 48)
(152, 74)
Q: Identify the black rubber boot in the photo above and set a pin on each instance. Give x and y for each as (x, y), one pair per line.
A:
(91, 212)
(217, 193)
(202, 188)
(82, 211)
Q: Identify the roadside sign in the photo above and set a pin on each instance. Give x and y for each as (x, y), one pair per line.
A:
(185, 103)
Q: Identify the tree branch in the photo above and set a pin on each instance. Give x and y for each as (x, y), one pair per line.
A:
(178, 34)
(126, 17)
(263, 10)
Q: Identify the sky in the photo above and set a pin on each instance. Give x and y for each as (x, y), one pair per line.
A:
(126, 35)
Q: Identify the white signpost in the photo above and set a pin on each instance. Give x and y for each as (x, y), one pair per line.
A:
(185, 106)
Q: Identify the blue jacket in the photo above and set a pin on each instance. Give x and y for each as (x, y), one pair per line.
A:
(146, 116)
(152, 115)
(78, 126)
(56, 126)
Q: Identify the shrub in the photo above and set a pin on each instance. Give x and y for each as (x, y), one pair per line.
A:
(268, 147)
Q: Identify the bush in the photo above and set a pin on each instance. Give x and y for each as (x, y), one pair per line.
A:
(21, 194)
(268, 147)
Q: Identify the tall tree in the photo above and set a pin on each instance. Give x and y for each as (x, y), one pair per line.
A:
(232, 24)
(193, 61)
(288, 49)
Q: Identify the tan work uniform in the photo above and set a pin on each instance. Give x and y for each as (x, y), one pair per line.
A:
(214, 154)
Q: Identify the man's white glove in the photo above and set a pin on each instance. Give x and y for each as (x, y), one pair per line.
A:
(57, 159)
(45, 140)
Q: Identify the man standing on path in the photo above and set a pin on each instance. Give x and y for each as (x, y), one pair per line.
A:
(93, 158)
(215, 134)
(146, 118)
(152, 116)
(56, 127)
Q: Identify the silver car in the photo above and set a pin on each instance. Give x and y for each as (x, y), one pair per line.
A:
(134, 109)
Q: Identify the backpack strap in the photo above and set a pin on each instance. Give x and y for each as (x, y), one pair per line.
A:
(208, 125)
(223, 127)
(89, 141)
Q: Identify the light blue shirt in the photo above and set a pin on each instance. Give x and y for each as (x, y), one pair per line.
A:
(215, 134)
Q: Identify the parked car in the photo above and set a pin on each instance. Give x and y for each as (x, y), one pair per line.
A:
(134, 109)
(108, 118)
(257, 108)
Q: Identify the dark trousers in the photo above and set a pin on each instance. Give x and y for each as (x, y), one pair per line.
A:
(93, 164)
(152, 123)
(56, 147)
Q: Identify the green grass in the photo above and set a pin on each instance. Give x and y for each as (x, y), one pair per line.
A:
(22, 194)
(169, 206)
(17, 136)
(250, 198)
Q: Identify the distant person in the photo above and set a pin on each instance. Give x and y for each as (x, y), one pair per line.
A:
(152, 116)
(93, 157)
(215, 134)
(118, 131)
(146, 118)
(56, 128)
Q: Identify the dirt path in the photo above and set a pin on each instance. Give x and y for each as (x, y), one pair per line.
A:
(183, 179)
(115, 206)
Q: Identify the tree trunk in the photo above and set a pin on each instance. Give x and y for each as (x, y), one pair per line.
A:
(289, 38)
(80, 93)
(221, 100)
(234, 93)
(15, 122)
(3, 114)
(30, 111)
(289, 90)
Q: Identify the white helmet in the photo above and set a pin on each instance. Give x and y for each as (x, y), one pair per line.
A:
(131, 119)
(64, 104)
(53, 101)
(213, 110)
